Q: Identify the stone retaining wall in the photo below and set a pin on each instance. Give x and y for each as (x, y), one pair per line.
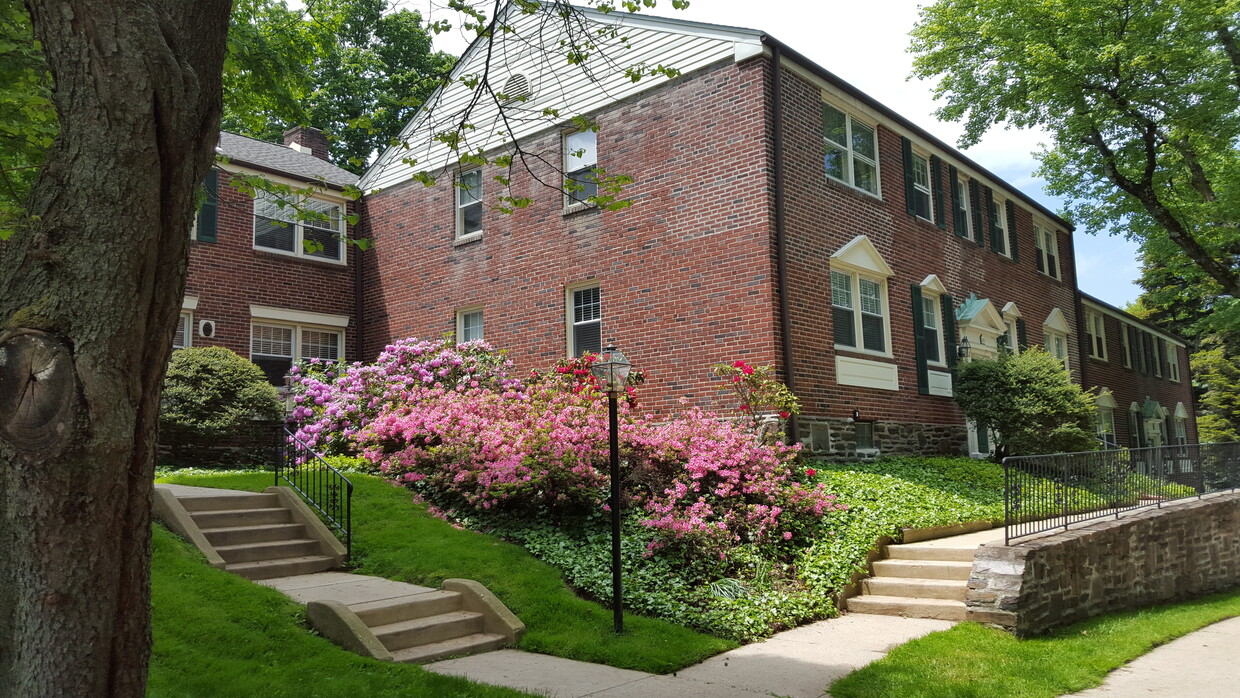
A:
(1183, 549)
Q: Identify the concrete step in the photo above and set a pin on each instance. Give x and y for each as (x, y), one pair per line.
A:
(282, 567)
(241, 535)
(226, 518)
(217, 502)
(470, 644)
(923, 569)
(268, 550)
(939, 609)
(425, 631)
(913, 551)
(953, 589)
(388, 611)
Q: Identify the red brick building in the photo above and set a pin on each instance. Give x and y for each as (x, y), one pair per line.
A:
(254, 286)
(778, 215)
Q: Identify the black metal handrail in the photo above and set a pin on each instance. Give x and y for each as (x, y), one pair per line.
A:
(1044, 493)
(319, 484)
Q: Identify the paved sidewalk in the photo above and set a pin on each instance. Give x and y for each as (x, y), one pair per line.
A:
(1202, 663)
(799, 663)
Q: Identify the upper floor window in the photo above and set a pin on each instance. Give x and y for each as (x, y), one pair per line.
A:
(469, 325)
(999, 226)
(858, 310)
(850, 150)
(469, 203)
(1047, 251)
(585, 321)
(922, 196)
(1125, 340)
(580, 162)
(1173, 363)
(315, 232)
(961, 217)
(1095, 331)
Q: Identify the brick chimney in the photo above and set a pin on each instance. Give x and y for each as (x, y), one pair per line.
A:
(307, 140)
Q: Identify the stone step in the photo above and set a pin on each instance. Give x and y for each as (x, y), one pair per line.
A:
(425, 631)
(268, 550)
(923, 569)
(939, 609)
(282, 567)
(470, 644)
(913, 551)
(953, 589)
(217, 502)
(226, 518)
(241, 535)
(388, 611)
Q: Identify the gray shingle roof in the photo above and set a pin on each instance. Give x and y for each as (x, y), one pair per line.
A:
(279, 158)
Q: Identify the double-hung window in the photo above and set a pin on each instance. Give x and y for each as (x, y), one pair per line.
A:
(931, 319)
(1057, 346)
(1173, 363)
(469, 203)
(850, 150)
(585, 315)
(184, 336)
(1106, 428)
(962, 219)
(858, 311)
(1095, 330)
(580, 163)
(922, 196)
(316, 231)
(999, 226)
(469, 325)
(1047, 246)
(274, 347)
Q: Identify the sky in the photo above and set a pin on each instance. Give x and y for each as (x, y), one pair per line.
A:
(865, 43)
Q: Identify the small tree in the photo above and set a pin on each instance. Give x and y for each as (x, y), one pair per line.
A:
(210, 392)
(1029, 401)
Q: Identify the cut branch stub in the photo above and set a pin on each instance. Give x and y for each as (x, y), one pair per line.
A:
(38, 391)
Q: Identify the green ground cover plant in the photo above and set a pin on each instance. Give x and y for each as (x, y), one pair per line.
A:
(972, 661)
(216, 634)
(396, 538)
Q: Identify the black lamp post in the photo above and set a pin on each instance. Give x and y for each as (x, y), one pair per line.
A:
(612, 370)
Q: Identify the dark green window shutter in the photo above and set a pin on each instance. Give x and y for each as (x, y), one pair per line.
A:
(975, 202)
(1021, 337)
(948, 307)
(919, 342)
(1011, 229)
(959, 215)
(208, 213)
(983, 438)
(936, 187)
(906, 149)
(1164, 366)
(992, 221)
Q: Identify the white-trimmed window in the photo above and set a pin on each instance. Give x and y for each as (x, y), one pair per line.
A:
(859, 312)
(580, 163)
(469, 324)
(931, 323)
(923, 198)
(1047, 246)
(1173, 363)
(585, 320)
(277, 228)
(850, 150)
(1125, 344)
(999, 228)
(1056, 345)
(1106, 428)
(962, 213)
(1096, 334)
(1156, 355)
(469, 203)
(184, 334)
(275, 347)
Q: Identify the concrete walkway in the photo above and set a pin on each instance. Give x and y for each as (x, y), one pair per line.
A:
(1202, 663)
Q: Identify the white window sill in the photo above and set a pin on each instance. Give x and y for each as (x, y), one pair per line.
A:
(305, 257)
(855, 188)
(578, 207)
(866, 352)
(467, 239)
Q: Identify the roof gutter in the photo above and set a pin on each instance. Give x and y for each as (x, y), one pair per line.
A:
(778, 47)
(781, 247)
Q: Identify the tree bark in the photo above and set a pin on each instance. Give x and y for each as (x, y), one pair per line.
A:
(90, 293)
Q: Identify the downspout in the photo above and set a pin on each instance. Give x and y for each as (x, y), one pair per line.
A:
(781, 248)
(1082, 346)
(359, 302)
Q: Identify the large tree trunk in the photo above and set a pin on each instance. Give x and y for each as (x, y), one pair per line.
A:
(89, 297)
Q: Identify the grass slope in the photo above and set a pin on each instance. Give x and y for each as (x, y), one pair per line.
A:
(397, 539)
(971, 661)
(216, 634)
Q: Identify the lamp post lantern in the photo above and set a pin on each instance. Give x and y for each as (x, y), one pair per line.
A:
(612, 371)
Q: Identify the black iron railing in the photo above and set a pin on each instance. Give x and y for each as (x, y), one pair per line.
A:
(322, 486)
(1044, 493)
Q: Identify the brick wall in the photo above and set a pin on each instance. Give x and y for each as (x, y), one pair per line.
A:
(1184, 549)
(685, 273)
(229, 275)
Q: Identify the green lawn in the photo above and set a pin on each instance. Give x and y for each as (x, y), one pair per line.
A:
(397, 539)
(972, 661)
(218, 635)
